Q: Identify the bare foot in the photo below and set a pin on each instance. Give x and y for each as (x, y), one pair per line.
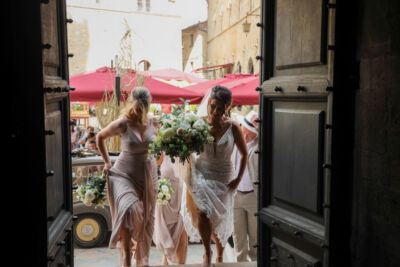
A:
(165, 260)
(219, 259)
(207, 260)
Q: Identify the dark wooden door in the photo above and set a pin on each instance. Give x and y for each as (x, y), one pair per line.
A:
(56, 104)
(296, 123)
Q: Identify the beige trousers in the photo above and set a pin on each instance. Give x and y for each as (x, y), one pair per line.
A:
(245, 226)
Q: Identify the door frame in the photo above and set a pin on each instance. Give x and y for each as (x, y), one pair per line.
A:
(26, 163)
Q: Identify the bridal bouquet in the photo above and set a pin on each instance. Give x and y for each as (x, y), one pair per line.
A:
(165, 192)
(93, 192)
(181, 134)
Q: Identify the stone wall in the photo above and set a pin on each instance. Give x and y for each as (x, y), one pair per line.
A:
(99, 26)
(375, 239)
(194, 47)
(227, 42)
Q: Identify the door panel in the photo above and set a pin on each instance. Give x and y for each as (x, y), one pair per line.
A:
(300, 34)
(54, 147)
(295, 112)
(297, 149)
(58, 162)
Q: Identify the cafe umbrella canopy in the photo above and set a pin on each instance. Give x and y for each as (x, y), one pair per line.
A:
(90, 87)
(242, 86)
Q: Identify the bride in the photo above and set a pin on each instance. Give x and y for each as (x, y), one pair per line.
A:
(211, 188)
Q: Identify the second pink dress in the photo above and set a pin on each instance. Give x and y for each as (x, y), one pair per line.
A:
(168, 220)
(131, 189)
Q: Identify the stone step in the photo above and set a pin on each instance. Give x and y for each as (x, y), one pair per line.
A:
(225, 264)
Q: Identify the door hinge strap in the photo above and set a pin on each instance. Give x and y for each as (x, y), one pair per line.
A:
(327, 166)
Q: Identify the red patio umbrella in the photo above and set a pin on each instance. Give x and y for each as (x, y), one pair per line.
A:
(242, 87)
(244, 93)
(90, 87)
(172, 74)
(203, 87)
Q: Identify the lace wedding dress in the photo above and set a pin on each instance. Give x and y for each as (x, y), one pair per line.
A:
(211, 173)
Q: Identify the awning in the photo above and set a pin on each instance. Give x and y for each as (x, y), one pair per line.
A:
(172, 74)
(210, 68)
(91, 86)
(242, 86)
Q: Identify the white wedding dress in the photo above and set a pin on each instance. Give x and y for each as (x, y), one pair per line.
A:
(211, 173)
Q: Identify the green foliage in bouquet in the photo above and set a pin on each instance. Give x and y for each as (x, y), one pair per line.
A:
(93, 192)
(181, 134)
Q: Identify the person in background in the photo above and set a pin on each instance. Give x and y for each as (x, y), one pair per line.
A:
(89, 139)
(75, 132)
(245, 202)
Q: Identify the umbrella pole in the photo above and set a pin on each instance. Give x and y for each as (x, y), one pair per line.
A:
(118, 89)
(117, 82)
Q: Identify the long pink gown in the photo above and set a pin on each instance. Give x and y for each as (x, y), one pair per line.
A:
(168, 221)
(131, 188)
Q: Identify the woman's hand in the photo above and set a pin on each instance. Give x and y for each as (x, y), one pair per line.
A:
(234, 184)
(160, 160)
(107, 166)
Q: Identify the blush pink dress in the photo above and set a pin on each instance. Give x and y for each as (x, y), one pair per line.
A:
(168, 220)
(131, 189)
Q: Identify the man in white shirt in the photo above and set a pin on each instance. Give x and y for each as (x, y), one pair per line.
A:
(244, 221)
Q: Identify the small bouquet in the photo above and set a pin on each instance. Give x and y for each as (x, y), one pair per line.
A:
(165, 192)
(93, 192)
(181, 134)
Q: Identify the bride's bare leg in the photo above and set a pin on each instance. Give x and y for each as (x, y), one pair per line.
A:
(203, 224)
(205, 229)
(125, 250)
(220, 248)
(192, 209)
(164, 260)
(181, 251)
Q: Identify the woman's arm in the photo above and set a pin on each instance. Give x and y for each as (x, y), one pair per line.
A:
(115, 128)
(242, 148)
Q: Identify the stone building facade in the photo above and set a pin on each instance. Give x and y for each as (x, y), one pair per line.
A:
(228, 40)
(95, 36)
(194, 47)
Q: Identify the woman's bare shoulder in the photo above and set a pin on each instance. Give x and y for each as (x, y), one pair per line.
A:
(232, 122)
(235, 126)
(121, 123)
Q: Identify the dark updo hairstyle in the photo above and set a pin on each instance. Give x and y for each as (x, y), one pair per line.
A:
(222, 94)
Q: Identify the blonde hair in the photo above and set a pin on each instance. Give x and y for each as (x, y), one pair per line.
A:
(140, 99)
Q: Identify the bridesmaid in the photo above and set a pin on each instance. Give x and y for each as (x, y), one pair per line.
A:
(169, 234)
(132, 181)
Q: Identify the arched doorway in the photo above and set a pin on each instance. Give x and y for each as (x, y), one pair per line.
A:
(250, 67)
(238, 68)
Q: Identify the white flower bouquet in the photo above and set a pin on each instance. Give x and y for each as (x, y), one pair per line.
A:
(93, 193)
(181, 134)
(165, 192)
